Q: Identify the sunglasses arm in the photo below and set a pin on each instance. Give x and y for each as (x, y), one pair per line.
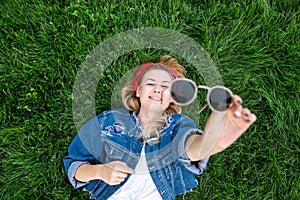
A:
(203, 87)
(202, 109)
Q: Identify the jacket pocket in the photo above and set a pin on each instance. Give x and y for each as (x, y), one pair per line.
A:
(114, 151)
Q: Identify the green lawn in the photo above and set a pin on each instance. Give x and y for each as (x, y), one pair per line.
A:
(255, 46)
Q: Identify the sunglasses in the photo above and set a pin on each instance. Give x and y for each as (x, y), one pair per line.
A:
(184, 91)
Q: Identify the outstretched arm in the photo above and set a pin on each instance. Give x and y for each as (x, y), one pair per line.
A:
(220, 131)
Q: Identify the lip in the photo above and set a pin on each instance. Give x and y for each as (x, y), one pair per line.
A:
(158, 99)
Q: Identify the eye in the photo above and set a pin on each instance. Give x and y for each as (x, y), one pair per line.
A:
(165, 86)
(150, 84)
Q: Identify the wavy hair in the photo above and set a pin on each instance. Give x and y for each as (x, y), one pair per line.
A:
(131, 102)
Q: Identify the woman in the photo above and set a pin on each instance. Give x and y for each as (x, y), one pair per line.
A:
(149, 150)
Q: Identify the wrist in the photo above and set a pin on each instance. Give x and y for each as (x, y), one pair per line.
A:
(98, 171)
(88, 172)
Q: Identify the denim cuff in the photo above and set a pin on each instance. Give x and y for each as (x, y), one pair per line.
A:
(196, 167)
(71, 174)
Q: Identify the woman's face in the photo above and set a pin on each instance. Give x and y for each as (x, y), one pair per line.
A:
(154, 90)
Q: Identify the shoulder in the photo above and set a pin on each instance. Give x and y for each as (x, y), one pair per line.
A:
(114, 113)
(110, 117)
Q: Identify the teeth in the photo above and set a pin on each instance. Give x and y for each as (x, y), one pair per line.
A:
(154, 98)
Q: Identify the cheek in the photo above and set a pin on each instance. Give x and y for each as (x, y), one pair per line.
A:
(167, 94)
(167, 97)
(143, 93)
(143, 99)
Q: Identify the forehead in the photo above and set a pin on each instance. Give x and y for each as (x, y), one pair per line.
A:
(158, 75)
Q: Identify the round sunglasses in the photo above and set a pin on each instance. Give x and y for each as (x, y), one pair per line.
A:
(184, 91)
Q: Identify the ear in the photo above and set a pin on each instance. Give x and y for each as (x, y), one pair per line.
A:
(138, 92)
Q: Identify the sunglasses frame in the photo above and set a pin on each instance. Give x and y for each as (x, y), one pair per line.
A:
(196, 92)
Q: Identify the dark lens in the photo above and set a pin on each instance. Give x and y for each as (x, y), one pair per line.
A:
(183, 91)
(219, 99)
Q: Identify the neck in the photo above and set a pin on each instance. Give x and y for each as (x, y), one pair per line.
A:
(145, 116)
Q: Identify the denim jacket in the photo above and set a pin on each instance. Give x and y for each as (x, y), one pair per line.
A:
(113, 135)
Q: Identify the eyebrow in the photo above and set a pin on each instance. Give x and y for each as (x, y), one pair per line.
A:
(150, 79)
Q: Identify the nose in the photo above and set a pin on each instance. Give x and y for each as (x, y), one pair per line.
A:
(157, 89)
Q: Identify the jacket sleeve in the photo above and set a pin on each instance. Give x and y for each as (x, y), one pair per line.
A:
(185, 128)
(86, 147)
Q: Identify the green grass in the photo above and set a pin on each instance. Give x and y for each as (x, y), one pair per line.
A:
(255, 45)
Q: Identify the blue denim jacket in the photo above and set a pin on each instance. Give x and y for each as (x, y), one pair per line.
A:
(113, 135)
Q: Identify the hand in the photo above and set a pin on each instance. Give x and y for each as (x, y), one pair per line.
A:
(241, 117)
(235, 122)
(220, 131)
(113, 173)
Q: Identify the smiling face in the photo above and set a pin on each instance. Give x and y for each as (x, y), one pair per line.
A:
(154, 91)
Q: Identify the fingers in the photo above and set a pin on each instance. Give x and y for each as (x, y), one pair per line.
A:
(236, 105)
(117, 172)
(240, 112)
(237, 100)
(121, 174)
(115, 181)
(123, 167)
(248, 116)
(117, 178)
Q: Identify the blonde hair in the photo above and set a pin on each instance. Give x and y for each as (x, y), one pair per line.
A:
(131, 102)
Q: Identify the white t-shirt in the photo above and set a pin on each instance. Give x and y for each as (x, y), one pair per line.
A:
(140, 185)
